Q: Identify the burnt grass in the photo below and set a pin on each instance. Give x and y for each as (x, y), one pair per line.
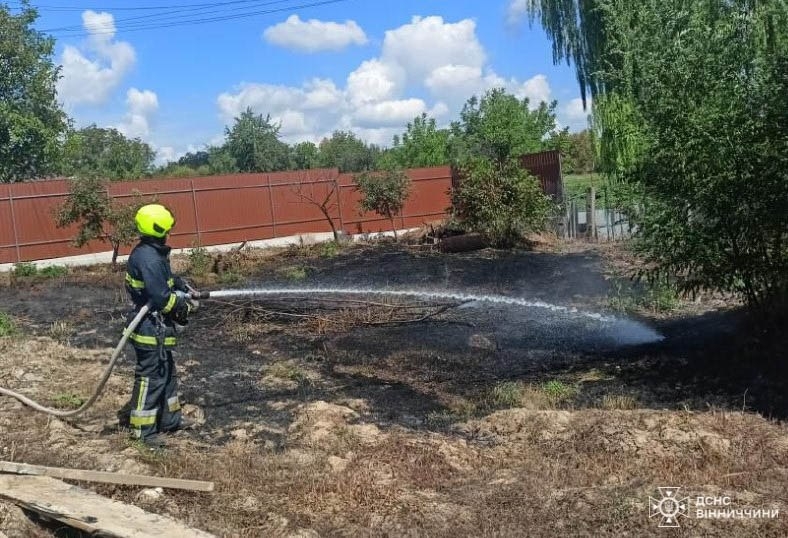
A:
(253, 363)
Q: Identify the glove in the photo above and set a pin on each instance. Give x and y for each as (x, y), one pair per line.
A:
(180, 314)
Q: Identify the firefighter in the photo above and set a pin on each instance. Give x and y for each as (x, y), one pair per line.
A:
(154, 407)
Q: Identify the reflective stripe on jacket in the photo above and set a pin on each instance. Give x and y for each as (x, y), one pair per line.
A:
(149, 278)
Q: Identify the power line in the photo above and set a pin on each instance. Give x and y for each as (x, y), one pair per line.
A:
(138, 8)
(155, 24)
(173, 14)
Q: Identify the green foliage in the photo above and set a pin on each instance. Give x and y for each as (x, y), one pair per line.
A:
(385, 193)
(69, 400)
(558, 391)
(304, 156)
(107, 154)
(347, 152)
(329, 249)
(230, 277)
(7, 326)
(200, 261)
(691, 105)
(658, 296)
(253, 144)
(295, 273)
(23, 269)
(421, 145)
(97, 215)
(31, 120)
(507, 394)
(499, 126)
(53, 271)
(502, 201)
(578, 152)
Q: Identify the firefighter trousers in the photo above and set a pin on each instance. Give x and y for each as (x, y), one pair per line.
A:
(155, 406)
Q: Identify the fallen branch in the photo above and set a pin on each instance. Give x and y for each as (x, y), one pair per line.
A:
(104, 477)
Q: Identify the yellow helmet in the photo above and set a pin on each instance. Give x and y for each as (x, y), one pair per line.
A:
(154, 220)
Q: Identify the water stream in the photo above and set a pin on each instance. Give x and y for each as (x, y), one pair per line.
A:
(624, 331)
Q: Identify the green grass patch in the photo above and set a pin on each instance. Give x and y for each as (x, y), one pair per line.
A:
(292, 272)
(69, 400)
(199, 261)
(23, 269)
(657, 297)
(53, 271)
(7, 326)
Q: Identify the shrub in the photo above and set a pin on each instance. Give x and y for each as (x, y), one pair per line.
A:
(384, 194)
(25, 269)
(500, 200)
(199, 260)
(7, 327)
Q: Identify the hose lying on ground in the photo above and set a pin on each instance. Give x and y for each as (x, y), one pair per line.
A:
(84, 407)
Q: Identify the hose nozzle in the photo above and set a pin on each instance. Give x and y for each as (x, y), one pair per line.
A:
(199, 294)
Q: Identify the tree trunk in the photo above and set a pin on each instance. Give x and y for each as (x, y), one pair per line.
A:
(330, 223)
(393, 228)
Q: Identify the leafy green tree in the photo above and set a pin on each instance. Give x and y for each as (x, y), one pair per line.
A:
(384, 193)
(304, 156)
(689, 103)
(97, 215)
(221, 161)
(578, 151)
(105, 153)
(195, 159)
(348, 153)
(500, 126)
(31, 120)
(421, 145)
(253, 143)
(500, 200)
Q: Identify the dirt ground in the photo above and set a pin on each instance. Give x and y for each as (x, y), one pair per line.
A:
(369, 416)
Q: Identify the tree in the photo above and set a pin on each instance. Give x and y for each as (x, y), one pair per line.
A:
(347, 152)
(689, 104)
(221, 161)
(324, 196)
(253, 143)
(105, 153)
(500, 200)
(304, 156)
(578, 151)
(31, 120)
(421, 145)
(385, 194)
(500, 126)
(97, 215)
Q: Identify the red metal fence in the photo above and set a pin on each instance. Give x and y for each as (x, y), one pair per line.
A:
(218, 209)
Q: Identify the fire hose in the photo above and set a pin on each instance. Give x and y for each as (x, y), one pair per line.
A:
(105, 376)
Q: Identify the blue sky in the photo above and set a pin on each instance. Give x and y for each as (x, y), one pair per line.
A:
(364, 65)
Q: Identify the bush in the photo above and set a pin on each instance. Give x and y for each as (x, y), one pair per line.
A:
(500, 200)
(384, 194)
(54, 271)
(199, 261)
(25, 269)
(7, 327)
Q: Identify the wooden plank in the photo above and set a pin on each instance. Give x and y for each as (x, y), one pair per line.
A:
(105, 477)
(88, 511)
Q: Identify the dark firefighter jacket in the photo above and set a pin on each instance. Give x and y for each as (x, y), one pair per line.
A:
(149, 278)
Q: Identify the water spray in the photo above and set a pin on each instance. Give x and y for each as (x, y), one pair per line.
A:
(644, 335)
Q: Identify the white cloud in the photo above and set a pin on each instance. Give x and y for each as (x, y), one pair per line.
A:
(141, 106)
(389, 113)
(314, 35)
(379, 97)
(428, 43)
(536, 89)
(91, 73)
(516, 11)
(374, 81)
(573, 116)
